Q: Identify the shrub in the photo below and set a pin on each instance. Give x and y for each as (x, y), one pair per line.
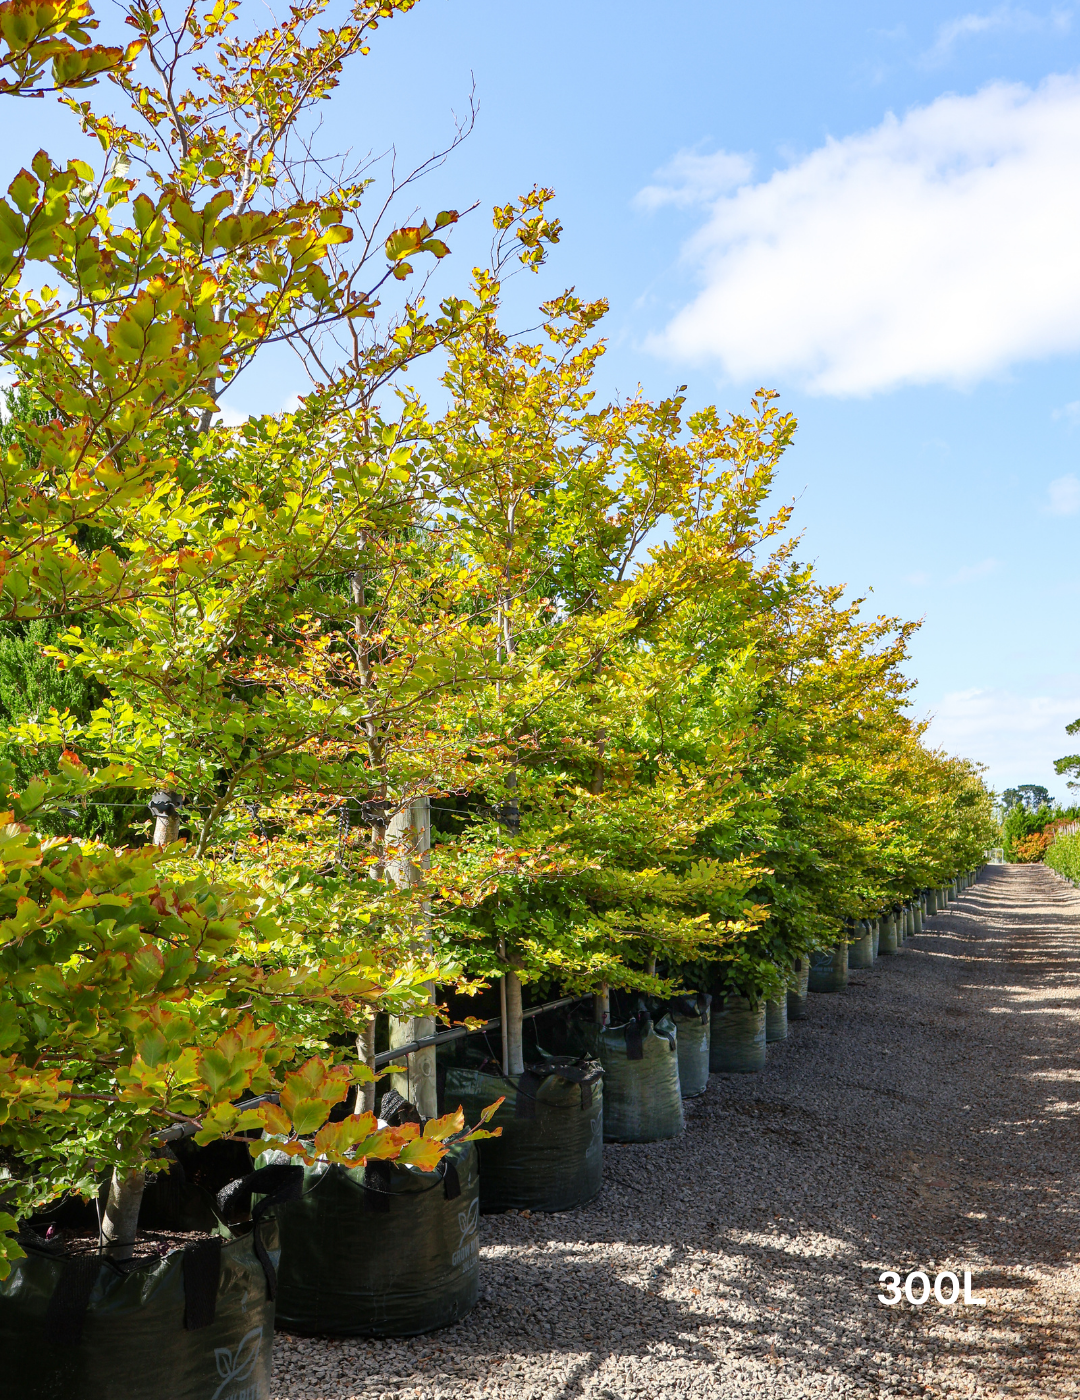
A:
(1064, 856)
(1031, 849)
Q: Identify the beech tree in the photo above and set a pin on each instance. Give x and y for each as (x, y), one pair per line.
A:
(134, 293)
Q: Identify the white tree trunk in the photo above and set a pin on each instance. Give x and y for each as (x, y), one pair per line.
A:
(410, 831)
(120, 1221)
(515, 1055)
(365, 1049)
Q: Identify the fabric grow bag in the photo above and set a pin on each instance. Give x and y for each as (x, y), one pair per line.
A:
(642, 1097)
(829, 969)
(737, 1035)
(551, 1152)
(776, 1020)
(931, 903)
(380, 1251)
(797, 999)
(196, 1324)
(887, 941)
(861, 949)
(875, 934)
(692, 1018)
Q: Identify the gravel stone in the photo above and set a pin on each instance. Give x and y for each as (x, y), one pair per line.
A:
(926, 1118)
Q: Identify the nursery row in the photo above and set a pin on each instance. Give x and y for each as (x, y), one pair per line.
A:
(348, 723)
(385, 1249)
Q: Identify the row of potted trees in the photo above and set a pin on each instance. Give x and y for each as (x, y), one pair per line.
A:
(387, 718)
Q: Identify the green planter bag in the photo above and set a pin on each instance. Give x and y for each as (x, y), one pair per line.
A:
(379, 1251)
(642, 1096)
(776, 1020)
(195, 1324)
(738, 1035)
(917, 918)
(797, 999)
(829, 969)
(887, 940)
(861, 948)
(692, 1017)
(551, 1152)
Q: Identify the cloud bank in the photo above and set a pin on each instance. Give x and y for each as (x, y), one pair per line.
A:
(1018, 737)
(939, 247)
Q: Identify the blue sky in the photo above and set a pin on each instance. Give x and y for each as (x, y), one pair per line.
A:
(873, 208)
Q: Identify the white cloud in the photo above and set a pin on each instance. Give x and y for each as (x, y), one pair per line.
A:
(971, 572)
(1064, 495)
(1018, 737)
(1004, 19)
(227, 417)
(692, 178)
(939, 247)
(919, 579)
(1070, 412)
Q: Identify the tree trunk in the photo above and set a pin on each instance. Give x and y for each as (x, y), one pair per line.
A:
(602, 1006)
(410, 831)
(365, 1049)
(121, 1219)
(165, 808)
(515, 1058)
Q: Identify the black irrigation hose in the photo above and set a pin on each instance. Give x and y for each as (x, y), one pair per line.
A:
(386, 1057)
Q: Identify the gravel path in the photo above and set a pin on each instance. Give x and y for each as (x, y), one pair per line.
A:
(929, 1117)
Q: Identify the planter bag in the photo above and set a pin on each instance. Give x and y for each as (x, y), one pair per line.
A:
(875, 933)
(197, 1324)
(642, 1098)
(887, 942)
(551, 1153)
(909, 922)
(797, 999)
(829, 969)
(692, 1021)
(901, 927)
(738, 1036)
(861, 950)
(931, 903)
(917, 919)
(380, 1251)
(776, 1020)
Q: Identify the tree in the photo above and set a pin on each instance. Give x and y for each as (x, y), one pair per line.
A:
(195, 244)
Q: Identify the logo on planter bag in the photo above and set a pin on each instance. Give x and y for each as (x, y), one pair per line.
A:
(235, 1367)
(467, 1221)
